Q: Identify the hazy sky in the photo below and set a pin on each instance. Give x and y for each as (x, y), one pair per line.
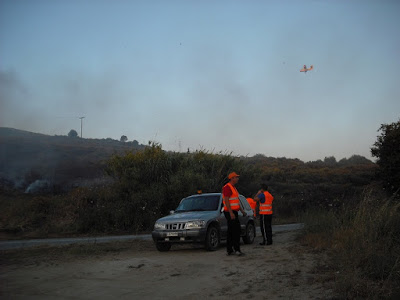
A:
(216, 75)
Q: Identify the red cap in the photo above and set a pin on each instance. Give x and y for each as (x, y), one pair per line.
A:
(232, 175)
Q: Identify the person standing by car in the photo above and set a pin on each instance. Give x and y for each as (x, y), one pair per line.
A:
(230, 197)
(265, 212)
(253, 205)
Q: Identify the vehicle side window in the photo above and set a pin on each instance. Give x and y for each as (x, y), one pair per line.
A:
(244, 203)
(222, 204)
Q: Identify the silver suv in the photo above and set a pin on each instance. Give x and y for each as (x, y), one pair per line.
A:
(199, 219)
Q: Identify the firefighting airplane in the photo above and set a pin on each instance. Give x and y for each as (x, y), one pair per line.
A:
(305, 69)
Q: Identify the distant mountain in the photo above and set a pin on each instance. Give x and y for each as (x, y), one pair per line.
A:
(26, 157)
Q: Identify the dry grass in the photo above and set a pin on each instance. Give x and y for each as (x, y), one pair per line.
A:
(365, 242)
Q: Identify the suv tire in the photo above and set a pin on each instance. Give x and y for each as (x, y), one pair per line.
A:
(163, 247)
(250, 233)
(212, 238)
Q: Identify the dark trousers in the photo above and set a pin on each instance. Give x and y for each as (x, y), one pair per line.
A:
(266, 229)
(233, 238)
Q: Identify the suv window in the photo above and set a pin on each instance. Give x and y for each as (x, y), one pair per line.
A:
(199, 203)
(244, 203)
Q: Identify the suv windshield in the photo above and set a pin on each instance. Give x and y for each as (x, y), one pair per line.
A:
(199, 203)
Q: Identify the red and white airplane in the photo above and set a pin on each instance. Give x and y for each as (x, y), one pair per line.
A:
(305, 69)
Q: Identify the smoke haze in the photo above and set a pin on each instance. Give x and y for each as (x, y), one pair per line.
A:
(224, 77)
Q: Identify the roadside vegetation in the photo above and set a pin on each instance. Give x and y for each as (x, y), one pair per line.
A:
(351, 207)
(145, 185)
(363, 236)
(363, 241)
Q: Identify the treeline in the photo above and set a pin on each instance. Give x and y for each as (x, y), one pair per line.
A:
(149, 183)
(145, 185)
(323, 183)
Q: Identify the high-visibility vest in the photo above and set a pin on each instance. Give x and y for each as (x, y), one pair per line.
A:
(253, 204)
(233, 199)
(266, 207)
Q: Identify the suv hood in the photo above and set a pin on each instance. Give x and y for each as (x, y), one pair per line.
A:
(189, 216)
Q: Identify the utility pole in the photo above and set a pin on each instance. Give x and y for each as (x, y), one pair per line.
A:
(81, 124)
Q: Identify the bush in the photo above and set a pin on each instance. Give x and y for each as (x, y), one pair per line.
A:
(147, 184)
(40, 215)
(72, 133)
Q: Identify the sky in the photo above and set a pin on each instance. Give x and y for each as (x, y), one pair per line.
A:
(221, 76)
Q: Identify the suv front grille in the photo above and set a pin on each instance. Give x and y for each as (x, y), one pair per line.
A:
(175, 226)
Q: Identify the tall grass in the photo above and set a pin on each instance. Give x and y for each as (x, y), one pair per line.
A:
(286, 210)
(365, 241)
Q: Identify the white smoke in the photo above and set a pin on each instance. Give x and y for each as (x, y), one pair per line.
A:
(37, 186)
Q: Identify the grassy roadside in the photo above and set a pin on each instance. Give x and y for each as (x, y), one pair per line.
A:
(25, 216)
(363, 242)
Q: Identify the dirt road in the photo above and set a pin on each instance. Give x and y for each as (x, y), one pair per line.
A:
(285, 270)
(26, 243)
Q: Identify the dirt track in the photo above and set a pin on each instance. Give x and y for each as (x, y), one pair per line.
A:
(285, 270)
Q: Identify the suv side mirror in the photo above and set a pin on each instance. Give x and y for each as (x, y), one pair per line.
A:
(171, 212)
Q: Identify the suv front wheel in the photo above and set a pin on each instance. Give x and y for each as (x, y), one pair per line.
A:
(163, 247)
(212, 238)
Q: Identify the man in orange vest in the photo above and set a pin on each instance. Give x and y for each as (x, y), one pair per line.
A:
(253, 204)
(230, 197)
(265, 211)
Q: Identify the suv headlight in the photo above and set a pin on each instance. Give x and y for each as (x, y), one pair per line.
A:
(159, 226)
(195, 224)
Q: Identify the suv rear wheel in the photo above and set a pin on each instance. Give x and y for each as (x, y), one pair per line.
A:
(249, 237)
(163, 247)
(212, 238)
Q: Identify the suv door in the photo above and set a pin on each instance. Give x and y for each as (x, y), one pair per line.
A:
(222, 221)
(242, 219)
(247, 223)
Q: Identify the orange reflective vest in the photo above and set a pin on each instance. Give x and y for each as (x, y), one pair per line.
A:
(266, 207)
(233, 199)
(253, 204)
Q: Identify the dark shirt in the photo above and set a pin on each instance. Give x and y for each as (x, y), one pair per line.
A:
(261, 197)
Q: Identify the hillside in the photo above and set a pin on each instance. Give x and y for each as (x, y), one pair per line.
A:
(26, 157)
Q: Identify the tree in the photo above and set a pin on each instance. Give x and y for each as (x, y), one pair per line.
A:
(330, 161)
(355, 160)
(123, 138)
(73, 133)
(387, 150)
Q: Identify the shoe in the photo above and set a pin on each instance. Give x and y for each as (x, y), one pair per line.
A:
(239, 253)
(270, 243)
(262, 244)
(229, 253)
